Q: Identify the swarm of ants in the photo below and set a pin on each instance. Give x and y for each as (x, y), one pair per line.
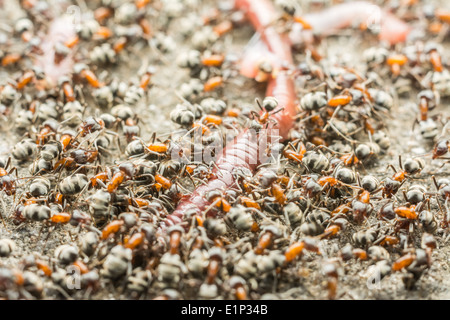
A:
(206, 218)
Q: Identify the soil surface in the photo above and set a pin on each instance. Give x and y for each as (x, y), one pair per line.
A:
(302, 279)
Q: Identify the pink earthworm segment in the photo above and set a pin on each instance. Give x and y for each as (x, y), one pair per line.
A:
(328, 21)
(323, 23)
(60, 30)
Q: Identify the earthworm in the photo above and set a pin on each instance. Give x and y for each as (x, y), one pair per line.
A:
(323, 23)
(242, 153)
(254, 54)
(326, 22)
(60, 30)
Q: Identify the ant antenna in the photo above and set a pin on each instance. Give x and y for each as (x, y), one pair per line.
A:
(400, 161)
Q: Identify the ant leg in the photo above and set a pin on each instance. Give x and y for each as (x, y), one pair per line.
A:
(392, 167)
(404, 195)
(8, 162)
(153, 137)
(99, 159)
(435, 182)
(13, 169)
(331, 118)
(101, 183)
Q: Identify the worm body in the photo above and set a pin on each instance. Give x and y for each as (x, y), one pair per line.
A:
(254, 55)
(60, 29)
(323, 23)
(344, 15)
(261, 15)
(243, 152)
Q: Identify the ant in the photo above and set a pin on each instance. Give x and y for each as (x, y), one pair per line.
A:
(7, 182)
(392, 185)
(440, 149)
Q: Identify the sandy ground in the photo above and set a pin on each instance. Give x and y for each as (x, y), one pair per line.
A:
(302, 280)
